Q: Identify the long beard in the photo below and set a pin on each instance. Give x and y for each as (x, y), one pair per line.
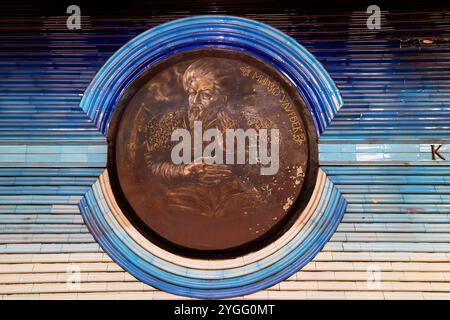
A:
(195, 115)
(199, 114)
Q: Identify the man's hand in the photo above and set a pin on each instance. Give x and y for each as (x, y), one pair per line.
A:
(210, 174)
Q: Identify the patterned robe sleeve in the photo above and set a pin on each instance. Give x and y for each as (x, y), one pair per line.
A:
(158, 146)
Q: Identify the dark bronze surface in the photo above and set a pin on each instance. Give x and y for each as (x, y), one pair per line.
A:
(214, 210)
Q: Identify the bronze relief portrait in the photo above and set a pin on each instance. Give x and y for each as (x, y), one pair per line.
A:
(226, 199)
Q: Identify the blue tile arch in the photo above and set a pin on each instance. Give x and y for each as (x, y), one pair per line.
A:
(314, 85)
(283, 52)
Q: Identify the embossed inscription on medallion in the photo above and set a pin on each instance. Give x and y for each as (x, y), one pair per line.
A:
(244, 157)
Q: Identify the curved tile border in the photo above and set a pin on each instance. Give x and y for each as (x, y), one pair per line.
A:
(212, 278)
(271, 45)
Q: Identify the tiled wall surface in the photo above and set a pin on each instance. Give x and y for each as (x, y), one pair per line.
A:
(395, 83)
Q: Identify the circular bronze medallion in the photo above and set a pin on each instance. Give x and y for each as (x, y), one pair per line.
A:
(212, 153)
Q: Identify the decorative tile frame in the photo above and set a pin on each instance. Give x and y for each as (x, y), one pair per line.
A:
(212, 278)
